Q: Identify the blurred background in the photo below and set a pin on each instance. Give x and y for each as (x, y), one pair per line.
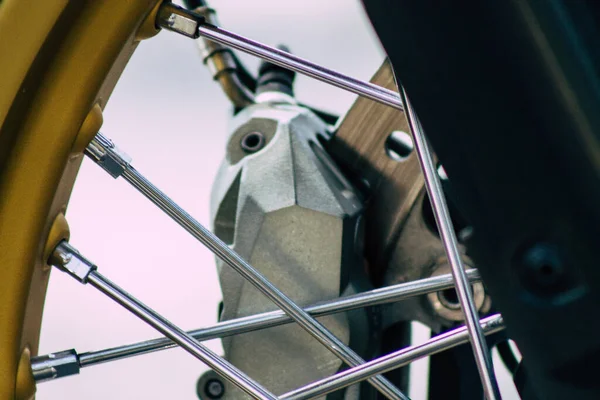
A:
(172, 119)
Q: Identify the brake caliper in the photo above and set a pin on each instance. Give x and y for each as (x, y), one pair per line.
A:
(281, 202)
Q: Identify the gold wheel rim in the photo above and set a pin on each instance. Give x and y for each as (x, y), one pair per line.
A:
(60, 62)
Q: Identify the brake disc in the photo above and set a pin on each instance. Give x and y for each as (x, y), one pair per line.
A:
(373, 146)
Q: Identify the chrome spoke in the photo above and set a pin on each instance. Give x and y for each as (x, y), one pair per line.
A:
(393, 360)
(69, 362)
(444, 223)
(71, 261)
(107, 155)
(189, 24)
(300, 65)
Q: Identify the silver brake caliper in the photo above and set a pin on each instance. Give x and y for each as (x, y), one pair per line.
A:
(282, 204)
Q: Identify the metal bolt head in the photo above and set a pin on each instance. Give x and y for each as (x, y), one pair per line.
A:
(214, 389)
(210, 386)
(446, 305)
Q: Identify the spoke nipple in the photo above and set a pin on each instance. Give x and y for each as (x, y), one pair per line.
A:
(60, 257)
(55, 365)
(64, 259)
(68, 259)
(180, 20)
(103, 152)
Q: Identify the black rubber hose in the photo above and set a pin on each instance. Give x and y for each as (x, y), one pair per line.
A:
(272, 77)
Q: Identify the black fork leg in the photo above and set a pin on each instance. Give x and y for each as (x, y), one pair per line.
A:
(508, 93)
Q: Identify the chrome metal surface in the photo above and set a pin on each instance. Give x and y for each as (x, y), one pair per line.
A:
(237, 326)
(178, 20)
(68, 259)
(442, 217)
(55, 365)
(176, 334)
(161, 324)
(301, 65)
(446, 304)
(232, 259)
(288, 60)
(393, 360)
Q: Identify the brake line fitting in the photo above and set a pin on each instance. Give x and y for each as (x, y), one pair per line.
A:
(221, 61)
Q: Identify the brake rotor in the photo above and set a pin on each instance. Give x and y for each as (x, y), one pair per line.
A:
(363, 145)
